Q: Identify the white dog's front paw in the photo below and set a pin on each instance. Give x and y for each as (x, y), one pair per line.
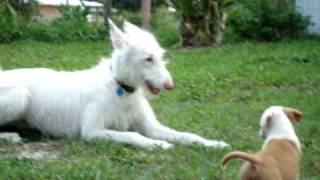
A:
(11, 137)
(162, 144)
(216, 144)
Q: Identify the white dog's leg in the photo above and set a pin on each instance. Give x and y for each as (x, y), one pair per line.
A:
(11, 137)
(156, 130)
(13, 103)
(93, 128)
(131, 138)
(152, 128)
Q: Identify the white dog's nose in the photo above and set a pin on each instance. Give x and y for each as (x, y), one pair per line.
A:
(168, 85)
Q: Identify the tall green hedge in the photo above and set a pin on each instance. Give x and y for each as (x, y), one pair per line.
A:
(265, 20)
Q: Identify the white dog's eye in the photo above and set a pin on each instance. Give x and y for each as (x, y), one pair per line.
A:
(149, 59)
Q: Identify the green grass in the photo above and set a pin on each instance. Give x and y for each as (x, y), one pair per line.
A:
(220, 94)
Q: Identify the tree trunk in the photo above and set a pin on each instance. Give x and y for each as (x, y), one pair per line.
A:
(281, 3)
(220, 34)
(107, 12)
(206, 29)
(146, 13)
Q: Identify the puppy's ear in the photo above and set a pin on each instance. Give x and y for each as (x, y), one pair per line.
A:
(118, 38)
(293, 114)
(269, 121)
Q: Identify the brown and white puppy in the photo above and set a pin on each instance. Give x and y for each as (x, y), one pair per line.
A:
(280, 154)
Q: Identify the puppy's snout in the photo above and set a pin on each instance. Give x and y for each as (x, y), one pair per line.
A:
(168, 85)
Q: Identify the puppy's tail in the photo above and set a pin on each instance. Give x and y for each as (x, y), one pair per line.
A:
(240, 155)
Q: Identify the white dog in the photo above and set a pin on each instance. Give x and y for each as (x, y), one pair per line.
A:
(105, 102)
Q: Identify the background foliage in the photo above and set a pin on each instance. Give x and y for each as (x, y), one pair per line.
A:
(71, 26)
(202, 22)
(254, 20)
(264, 20)
(11, 21)
(130, 5)
(16, 22)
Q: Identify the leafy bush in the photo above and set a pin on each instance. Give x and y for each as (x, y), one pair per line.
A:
(165, 26)
(133, 17)
(11, 27)
(130, 5)
(202, 22)
(71, 26)
(25, 9)
(16, 23)
(264, 20)
(14, 17)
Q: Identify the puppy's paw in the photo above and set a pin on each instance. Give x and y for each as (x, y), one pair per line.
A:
(216, 144)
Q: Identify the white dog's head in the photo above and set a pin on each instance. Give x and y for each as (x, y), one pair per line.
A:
(278, 119)
(137, 59)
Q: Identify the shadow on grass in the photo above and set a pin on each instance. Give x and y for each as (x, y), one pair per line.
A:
(24, 130)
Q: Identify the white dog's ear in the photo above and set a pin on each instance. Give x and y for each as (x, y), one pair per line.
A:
(293, 114)
(130, 28)
(118, 38)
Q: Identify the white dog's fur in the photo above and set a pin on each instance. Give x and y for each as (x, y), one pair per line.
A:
(85, 103)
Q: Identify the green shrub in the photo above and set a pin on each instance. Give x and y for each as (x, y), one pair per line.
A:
(71, 26)
(133, 17)
(165, 26)
(11, 24)
(263, 20)
(25, 9)
(130, 5)
(11, 28)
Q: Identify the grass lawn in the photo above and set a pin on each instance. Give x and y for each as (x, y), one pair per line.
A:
(220, 94)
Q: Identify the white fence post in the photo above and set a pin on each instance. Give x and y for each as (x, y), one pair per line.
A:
(311, 8)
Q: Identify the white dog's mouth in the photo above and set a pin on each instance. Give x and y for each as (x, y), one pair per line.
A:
(154, 90)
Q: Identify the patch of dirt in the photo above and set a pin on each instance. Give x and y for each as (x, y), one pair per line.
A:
(36, 151)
